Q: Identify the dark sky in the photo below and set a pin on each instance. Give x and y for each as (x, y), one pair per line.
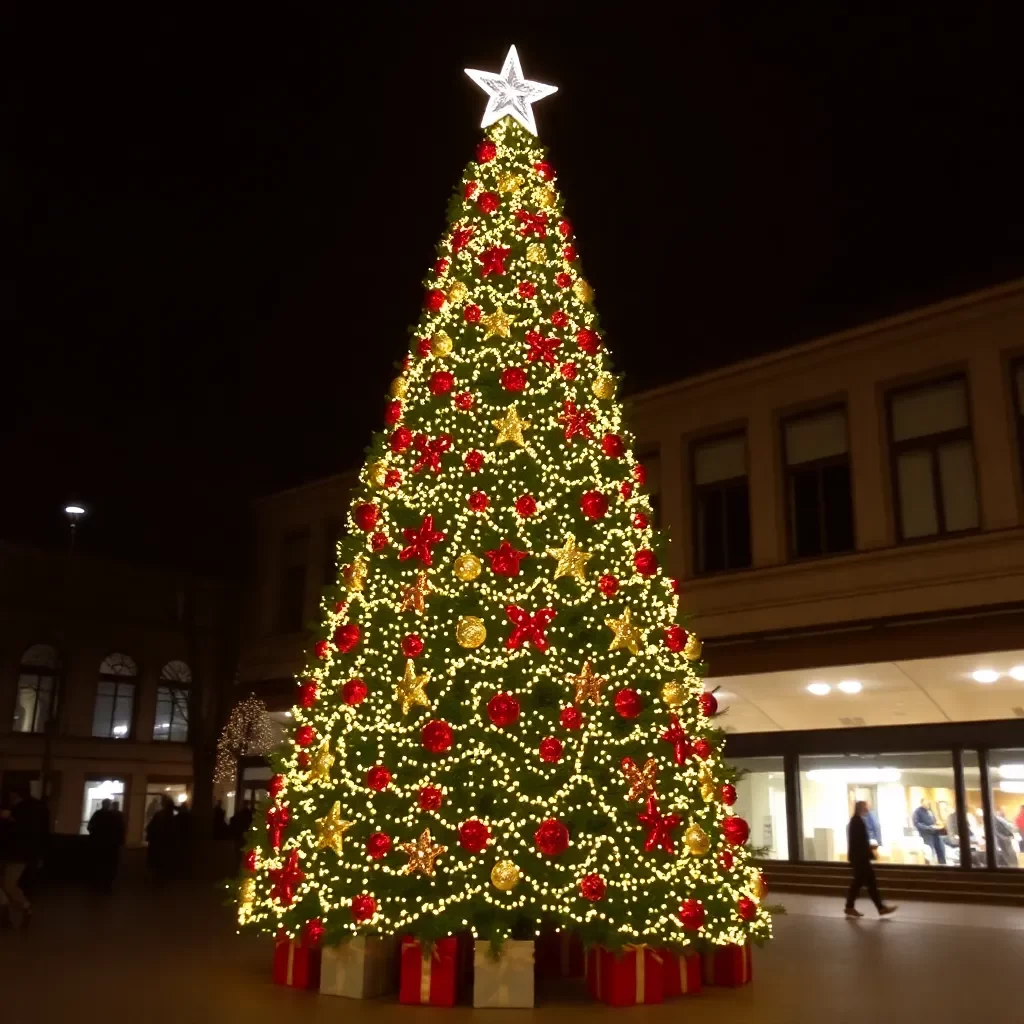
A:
(222, 218)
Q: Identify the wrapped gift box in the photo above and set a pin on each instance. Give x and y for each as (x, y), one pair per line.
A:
(681, 972)
(633, 977)
(506, 981)
(436, 978)
(728, 966)
(559, 955)
(360, 969)
(295, 963)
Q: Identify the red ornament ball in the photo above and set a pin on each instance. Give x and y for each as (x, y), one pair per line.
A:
(441, 382)
(488, 202)
(608, 585)
(513, 378)
(735, 830)
(559, 319)
(568, 252)
(353, 692)
(563, 280)
(568, 371)
(305, 736)
(640, 521)
(527, 289)
(588, 341)
(471, 314)
(303, 760)
(571, 718)
(473, 461)
(347, 636)
(378, 541)
(430, 798)
(401, 439)
(702, 749)
(474, 835)
(434, 300)
(378, 777)
(628, 703)
(594, 504)
(486, 151)
(746, 908)
(708, 704)
(250, 863)
(675, 637)
(526, 505)
(550, 749)
(551, 838)
(593, 888)
(545, 170)
(626, 489)
(640, 473)
(645, 561)
(565, 228)
(321, 648)
(440, 266)
(366, 516)
(464, 400)
(423, 348)
(412, 645)
(478, 501)
(392, 478)
(675, 587)
(503, 710)
(436, 736)
(728, 794)
(363, 908)
(612, 446)
(378, 845)
(392, 413)
(340, 606)
(313, 932)
(275, 786)
(469, 189)
(691, 915)
(726, 860)
(308, 692)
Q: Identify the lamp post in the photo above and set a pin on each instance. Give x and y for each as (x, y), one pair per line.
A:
(74, 513)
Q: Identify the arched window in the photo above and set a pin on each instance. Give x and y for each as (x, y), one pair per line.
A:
(115, 697)
(171, 721)
(37, 686)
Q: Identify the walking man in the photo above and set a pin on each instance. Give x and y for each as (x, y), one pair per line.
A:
(859, 851)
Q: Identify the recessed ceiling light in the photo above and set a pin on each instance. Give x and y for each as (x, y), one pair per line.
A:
(985, 675)
(851, 686)
(1017, 672)
(819, 689)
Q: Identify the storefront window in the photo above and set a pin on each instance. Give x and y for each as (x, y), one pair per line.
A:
(912, 802)
(95, 793)
(156, 791)
(761, 800)
(1006, 777)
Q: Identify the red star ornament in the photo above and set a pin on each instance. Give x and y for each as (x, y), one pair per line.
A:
(576, 421)
(421, 541)
(286, 879)
(659, 827)
(533, 223)
(460, 238)
(674, 734)
(541, 348)
(505, 559)
(493, 260)
(430, 451)
(528, 629)
(277, 821)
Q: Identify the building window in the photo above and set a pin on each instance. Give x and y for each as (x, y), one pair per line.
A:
(721, 504)
(817, 461)
(651, 461)
(98, 790)
(761, 801)
(291, 582)
(332, 534)
(115, 698)
(37, 685)
(933, 460)
(1006, 778)
(171, 720)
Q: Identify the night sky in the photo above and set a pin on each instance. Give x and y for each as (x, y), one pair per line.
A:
(222, 220)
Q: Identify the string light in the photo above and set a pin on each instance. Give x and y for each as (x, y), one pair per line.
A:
(248, 732)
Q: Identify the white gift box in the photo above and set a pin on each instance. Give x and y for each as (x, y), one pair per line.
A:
(360, 969)
(507, 981)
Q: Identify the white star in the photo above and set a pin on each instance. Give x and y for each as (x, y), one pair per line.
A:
(509, 93)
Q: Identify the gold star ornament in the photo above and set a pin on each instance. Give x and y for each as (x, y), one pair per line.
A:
(497, 323)
(354, 575)
(330, 831)
(421, 854)
(414, 595)
(626, 633)
(511, 427)
(572, 560)
(588, 685)
(409, 691)
(641, 780)
(323, 762)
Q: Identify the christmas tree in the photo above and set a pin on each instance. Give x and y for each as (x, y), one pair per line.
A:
(504, 723)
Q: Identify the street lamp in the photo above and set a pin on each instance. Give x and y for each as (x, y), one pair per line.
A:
(74, 513)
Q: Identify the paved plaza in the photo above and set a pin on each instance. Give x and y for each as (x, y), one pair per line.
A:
(173, 956)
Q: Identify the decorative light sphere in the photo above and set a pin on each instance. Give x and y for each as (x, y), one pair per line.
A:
(726, 860)
(645, 562)
(401, 439)
(675, 638)
(377, 474)
(550, 749)
(604, 385)
(474, 835)
(735, 830)
(526, 505)
(378, 778)
(470, 632)
(673, 693)
(321, 649)
(702, 749)
(758, 886)
(693, 648)
(412, 645)
(594, 504)
(691, 915)
(708, 704)
(551, 837)
(593, 887)
(363, 908)
(366, 516)
(305, 736)
(274, 787)
(697, 841)
(440, 345)
(746, 908)
(353, 691)
(628, 703)
(612, 446)
(347, 636)
(378, 844)
(505, 876)
(503, 710)
(608, 585)
(436, 736)
(467, 567)
(728, 794)
(308, 693)
(571, 718)
(430, 798)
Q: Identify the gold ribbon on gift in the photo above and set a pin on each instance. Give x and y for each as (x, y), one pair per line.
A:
(426, 961)
(290, 972)
(641, 949)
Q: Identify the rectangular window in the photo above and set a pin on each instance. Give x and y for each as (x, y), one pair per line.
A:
(818, 483)
(761, 801)
(933, 460)
(98, 790)
(291, 582)
(332, 534)
(32, 707)
(112, 713)
(721, 504)
(171, 721)
(1006, 779)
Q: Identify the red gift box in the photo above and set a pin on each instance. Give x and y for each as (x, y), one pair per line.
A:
(634, 977)
(296, 964)
(435, 979)
(559, 955)
(682, 973)
(729, 966)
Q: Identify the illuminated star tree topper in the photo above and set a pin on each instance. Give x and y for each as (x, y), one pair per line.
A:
(510, 93)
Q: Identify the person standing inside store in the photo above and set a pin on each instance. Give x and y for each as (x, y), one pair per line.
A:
(861, 853)
(929, 830)
(1019, 822)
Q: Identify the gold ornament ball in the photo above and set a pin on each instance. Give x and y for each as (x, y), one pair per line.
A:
(604, 386)
(535, 253)
(377, 474)
(673, 693)
(467, 567)
(247, 893)
(757, 886)
(693, 648)
(457, 292)
(470, 631)
(697, 841)
(399, 386)
(544, 197)
(440, 344)
(582, 290)
(505, 875)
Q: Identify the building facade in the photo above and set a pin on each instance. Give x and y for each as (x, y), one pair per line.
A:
(847, 522)
(102, 665)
